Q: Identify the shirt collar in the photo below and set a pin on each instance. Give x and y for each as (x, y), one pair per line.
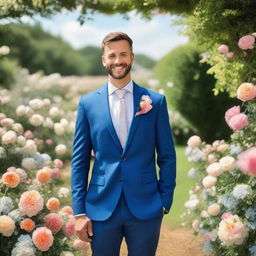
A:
(112, 88)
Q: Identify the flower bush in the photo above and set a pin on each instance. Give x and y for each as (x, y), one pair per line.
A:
(35, 140)
(221, 206)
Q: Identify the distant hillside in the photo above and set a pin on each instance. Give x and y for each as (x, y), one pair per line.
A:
(36, 49)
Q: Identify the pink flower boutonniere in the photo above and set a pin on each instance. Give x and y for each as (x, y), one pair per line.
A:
(145, 105)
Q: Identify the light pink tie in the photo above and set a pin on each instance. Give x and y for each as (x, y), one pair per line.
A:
(122, 117)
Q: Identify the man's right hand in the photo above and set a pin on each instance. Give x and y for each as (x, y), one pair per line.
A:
(83, 228)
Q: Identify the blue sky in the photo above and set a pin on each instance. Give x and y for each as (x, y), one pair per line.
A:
(155, 37)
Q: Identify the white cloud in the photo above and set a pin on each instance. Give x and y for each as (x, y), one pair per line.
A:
(150, 37)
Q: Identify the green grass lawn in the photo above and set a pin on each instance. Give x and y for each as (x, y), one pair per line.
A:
(183, 184)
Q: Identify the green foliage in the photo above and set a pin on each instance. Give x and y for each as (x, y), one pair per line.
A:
(192, 93)
(144, 61)
(36, 50)
(47, 7)
(93, 56)
(224, 22)
(8, 70)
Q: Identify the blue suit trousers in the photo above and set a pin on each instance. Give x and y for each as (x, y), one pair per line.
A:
(141, 236)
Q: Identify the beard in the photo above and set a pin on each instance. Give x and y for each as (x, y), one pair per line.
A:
(116, 75)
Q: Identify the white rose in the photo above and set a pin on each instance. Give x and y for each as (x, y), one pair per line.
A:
(54, 111)
(21, 110)
(64, 123)
(21, 140)
(36, 120)
(29, 111)
(9, 137)
(7, 122)
(194, 141)
(4, 50)
(36, 103)
(5, 99)
(192, 204)
(195, 224)
(214, 169)
(17, 127)
(29, 163)
(204, 214)
(227, 163)
(2, 116)
(48, 122)
(30, 147)
(59, 129)
(46, 102)
(60, 149)
(209, 181)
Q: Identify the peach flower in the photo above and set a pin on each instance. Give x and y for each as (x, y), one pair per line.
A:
(230, 55)
(42, 238)
(27, 224)
(246, 91)
(211, 158)
(43, 176)
(7, 122)
(54, 222)
(246, 42)
(67, 210)
(145, 105)
(11, 179)
(7, 225)
(194, 141)
(53, 204)
(31, 203)
(214, 209)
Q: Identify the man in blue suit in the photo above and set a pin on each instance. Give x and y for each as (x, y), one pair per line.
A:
(127, 127)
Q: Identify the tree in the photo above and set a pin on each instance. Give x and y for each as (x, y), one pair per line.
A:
(192, 93)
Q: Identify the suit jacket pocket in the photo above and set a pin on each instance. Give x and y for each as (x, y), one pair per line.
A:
(98, 180)
(149, 177)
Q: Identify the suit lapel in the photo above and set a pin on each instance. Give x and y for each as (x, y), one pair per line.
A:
(137, 94)
(103, 93)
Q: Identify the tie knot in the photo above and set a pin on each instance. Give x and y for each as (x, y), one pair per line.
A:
(120, 93)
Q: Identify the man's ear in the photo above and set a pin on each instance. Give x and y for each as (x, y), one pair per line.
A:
(103, 61)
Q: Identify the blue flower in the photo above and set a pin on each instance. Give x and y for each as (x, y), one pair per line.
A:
(250, 213)
(207, 247)
(253, 250)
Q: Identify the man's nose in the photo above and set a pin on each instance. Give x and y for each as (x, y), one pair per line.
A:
(118, 60)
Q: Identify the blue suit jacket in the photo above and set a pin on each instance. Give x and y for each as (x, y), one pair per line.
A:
(132, 169)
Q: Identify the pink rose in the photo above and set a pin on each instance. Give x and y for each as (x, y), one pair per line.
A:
(247, 161)
(230, 55)
(223, 49)
(246, 91)
(238, 122)
(231, 112)
(28, 134)
(55, 172)
(246, 42)
(226, 215)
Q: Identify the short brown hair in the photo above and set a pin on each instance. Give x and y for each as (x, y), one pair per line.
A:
(115, 36)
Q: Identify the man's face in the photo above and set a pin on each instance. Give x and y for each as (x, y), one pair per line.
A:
(117, 59)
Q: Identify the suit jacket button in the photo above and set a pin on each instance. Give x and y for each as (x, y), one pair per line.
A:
(124, 159)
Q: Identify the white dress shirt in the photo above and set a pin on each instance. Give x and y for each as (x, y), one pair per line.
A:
(113, 100)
